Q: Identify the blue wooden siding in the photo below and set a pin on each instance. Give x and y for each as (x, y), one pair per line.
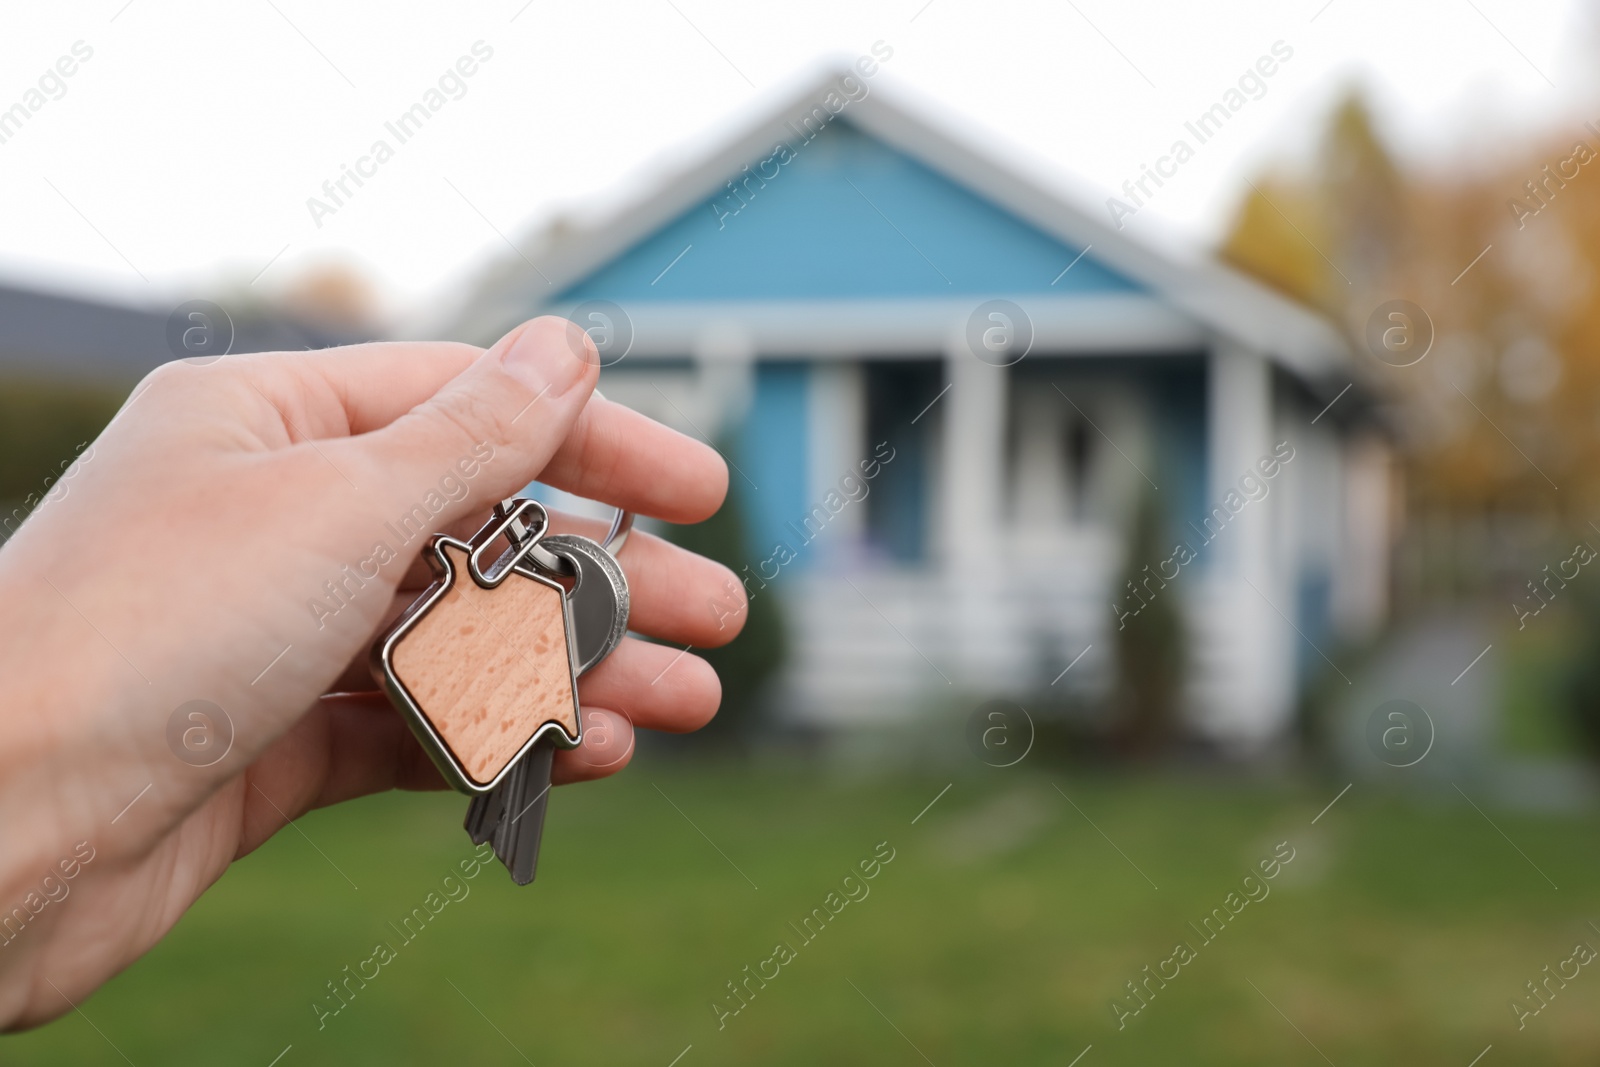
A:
(1177, 390)
(847, 217)
(1314, 608)
(771, 450)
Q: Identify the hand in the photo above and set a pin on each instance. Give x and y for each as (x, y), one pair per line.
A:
(183, 557)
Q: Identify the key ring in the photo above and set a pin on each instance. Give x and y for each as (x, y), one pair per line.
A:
(615, 538)
(510, 512)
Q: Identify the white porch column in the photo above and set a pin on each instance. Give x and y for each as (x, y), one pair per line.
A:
(1361, 580)
(969, 540)
(971, 489)
(1239, 406)
(1246, 649)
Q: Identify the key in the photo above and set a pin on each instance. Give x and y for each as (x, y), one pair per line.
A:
(482, 663)
(483, 815)
(521, 828)
(513, 814)
(599, 597)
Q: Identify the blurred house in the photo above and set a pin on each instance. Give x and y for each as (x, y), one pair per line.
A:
(847, 287)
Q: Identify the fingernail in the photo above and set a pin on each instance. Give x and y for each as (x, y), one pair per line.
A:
(540, 356)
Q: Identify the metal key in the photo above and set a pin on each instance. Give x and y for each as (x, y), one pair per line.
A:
(521, 827)
(599, 596)
(512, 815)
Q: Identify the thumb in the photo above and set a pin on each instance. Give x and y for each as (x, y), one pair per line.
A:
(490, 430)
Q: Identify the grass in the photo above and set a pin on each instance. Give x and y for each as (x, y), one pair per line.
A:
(999, 933)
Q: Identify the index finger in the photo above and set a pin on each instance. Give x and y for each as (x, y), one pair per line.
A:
(620, 457)
(613, 454)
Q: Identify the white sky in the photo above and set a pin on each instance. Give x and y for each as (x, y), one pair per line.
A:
(193, 137)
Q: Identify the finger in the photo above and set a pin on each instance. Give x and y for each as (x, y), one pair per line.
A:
(612, 453)
(680, 596)
(377, 383)
(616, 455)
(607, 747)
(370, 750)
(484, 434)
(657, 686)
(344, 747)
(677, 595)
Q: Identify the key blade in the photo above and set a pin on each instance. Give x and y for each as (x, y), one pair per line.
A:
(527, 820)
(511, 789)
(483, 815)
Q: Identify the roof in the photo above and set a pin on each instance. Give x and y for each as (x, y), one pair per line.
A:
(1203, 296)
(56, 335)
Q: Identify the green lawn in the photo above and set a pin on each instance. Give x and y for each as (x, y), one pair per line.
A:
(998, 934)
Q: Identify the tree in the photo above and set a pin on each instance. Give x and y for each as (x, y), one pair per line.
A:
(1334, 236)
(747, 665)
(1502, 253)
(44, 428)
(1150, 646)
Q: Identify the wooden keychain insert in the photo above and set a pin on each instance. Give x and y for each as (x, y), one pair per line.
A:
(482, 662)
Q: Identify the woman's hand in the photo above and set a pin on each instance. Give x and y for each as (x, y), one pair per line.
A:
(237, 535)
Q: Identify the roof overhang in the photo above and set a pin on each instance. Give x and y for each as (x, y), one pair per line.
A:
(1113, 324)
(1199, 300)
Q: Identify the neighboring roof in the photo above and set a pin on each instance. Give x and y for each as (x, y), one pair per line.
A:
(54, 335)
(1220, 299)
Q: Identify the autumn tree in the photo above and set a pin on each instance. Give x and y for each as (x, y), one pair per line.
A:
(1502, 259)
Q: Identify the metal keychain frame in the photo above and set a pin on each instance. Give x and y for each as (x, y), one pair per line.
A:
(509, 526)
(382, 656)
